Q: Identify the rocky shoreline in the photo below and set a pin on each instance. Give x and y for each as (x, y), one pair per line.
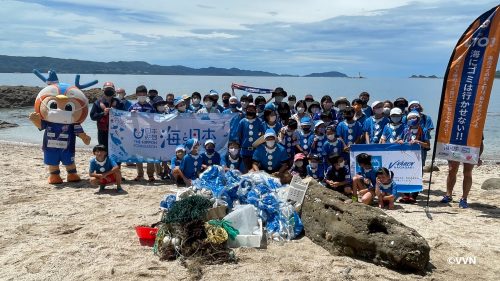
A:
(24, 96)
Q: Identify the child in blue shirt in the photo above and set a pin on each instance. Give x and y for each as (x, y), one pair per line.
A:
(180, 151)
(232, 160)
(385, 188)
(304, 136)
(338, 176)
(393, 131)
(249, 130)
(190, 166)
(289, 138)
(210, 156)
(350, 131)
(316, 168)
(318, 139)
(374, 125)
(270, 156)
(365, 180)
(103, 170)
(333, 146)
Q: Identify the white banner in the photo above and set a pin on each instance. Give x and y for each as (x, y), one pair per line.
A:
(404, 160)
(149, 137)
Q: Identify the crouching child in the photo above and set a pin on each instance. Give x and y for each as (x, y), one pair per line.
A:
(103, 170)
(363, 184)
(385, 188)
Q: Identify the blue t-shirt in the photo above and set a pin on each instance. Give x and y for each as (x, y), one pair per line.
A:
(276, 127)
(233, 164)
(248, 132)
(233, 124)
(349, 133)
(101, 167)
(145, 107)
(305, 141)
(371, 175)
(332, 148)
(362, 119)
(318, 174)
(367, 111)
(60, 136)
(174, 162)
(270, 159)
(375, 127)
(210, 160)
(390, 189)
(289, 142)
(320, 145)
(191, 166)
(392, 132)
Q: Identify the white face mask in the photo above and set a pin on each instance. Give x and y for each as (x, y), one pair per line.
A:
(289, 133)
(272, 118)
(270, 143)
(160, 108)
(244, 104)
(60, 116)
(330, 137)
(291, 104)
(385, 186)
(378, 110)
(278, 98)
(208, 104)
(387, 110)
(341, 164)
(182, 108)
(142, 99)
(233, 151)
(196, 101)
(299, 164)
(342, 106)
(300, 109)
(313, 165)
(315, 110)
(396, 119)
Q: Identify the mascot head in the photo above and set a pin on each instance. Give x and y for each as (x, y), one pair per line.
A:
(60, 102)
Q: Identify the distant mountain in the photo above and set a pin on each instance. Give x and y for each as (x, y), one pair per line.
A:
(14, 64)
(327, 74)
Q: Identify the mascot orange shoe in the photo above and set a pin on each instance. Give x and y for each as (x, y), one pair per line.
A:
(60, 108)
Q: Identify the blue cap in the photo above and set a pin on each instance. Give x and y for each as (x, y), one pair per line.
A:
(190, 143)
(270, 133)
(306, 121)
(270, 106)
(177, 101)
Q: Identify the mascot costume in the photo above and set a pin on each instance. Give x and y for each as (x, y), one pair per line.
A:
(60, 108)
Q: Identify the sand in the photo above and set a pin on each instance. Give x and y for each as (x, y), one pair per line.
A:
(68, 232)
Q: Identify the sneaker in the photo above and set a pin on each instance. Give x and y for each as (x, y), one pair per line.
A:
(446, 199)
(463, 203)
(119, 189)
(101, 188)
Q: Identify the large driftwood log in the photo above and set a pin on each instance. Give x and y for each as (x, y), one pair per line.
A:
(332, 221)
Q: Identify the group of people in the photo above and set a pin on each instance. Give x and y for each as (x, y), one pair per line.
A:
(305, 137)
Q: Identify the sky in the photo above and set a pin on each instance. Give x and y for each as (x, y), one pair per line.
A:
(383, 38)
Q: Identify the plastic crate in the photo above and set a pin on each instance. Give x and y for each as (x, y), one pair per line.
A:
(297, 190)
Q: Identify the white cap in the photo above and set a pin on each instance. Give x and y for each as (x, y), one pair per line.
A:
(396, 111)
(375, 103)
(209, 141)
(413, 102)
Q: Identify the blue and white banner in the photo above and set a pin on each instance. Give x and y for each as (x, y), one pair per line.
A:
(149, 137)
(404, 160)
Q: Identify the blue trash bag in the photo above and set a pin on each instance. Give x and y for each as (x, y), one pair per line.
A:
(168, 201)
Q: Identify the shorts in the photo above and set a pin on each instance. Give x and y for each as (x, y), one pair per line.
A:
(108, 179)
(54, 157)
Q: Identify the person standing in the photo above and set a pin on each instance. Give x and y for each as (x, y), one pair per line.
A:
(100, 112)
(466, 183)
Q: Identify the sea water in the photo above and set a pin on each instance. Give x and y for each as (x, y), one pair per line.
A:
(427, 91)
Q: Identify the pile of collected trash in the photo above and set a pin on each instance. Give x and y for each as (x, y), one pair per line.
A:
(224, 210)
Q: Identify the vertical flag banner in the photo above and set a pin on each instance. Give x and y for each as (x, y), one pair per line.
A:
(149, 137)
(466, 90)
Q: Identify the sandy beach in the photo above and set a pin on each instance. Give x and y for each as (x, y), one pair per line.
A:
(68, 232)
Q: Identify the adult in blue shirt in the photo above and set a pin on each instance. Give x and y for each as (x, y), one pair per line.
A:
(270, 156)
(250, 129)
(195, 102)
(125, 104)
(374, 125)
(142, 104)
